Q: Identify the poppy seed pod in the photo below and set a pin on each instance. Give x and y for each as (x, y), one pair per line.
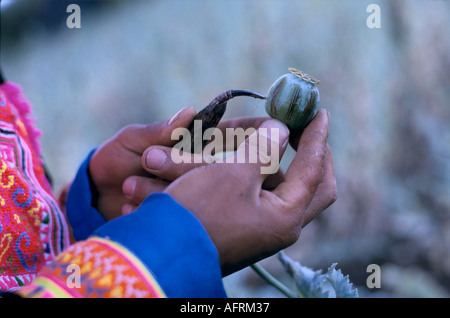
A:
(293, 99)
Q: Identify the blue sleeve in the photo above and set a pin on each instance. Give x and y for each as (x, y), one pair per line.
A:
(82, 216)
(173, 244)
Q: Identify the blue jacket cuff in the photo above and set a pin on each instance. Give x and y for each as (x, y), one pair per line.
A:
(83, 218)
(173, 244)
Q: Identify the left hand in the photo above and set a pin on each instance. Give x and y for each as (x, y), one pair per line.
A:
(120, 157)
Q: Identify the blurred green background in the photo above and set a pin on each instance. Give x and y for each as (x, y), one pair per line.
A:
(387, 90)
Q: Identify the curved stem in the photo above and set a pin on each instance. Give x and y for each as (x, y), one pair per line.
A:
(273, 281)
(241, 92)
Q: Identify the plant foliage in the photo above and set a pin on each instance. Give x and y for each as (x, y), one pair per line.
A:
(314, 284)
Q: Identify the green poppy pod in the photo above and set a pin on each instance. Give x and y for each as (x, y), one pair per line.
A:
(293, 99)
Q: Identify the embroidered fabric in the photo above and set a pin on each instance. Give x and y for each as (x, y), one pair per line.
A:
(33, 229)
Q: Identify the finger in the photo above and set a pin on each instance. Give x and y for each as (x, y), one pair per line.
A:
(295, 136)
(262, 151)
(305, 172)
(236, 130)
(136, 188)
(273, 180)
(139, 137)
(326, 193)
(170, 163)
(242, 122)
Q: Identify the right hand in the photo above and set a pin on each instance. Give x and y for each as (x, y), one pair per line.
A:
(248, 223)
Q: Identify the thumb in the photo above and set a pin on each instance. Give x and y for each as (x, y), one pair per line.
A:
(263, 149)
(140, 137)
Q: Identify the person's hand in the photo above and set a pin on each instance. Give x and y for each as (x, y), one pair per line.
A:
(120, 157)
(157, 161)
(246, 222)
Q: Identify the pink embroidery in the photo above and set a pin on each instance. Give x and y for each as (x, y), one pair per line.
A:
(33, 230)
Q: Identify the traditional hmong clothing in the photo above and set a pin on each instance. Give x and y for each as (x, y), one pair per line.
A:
(64, 247)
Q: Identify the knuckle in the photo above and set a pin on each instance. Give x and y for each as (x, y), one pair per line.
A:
(293, 235)
(131, 128)
(290, 228)
(129, 131)
(332, 193)
(289, 236)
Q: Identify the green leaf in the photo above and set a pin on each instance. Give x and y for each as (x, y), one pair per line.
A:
(314, 284)
(309, 283)
(340, 283)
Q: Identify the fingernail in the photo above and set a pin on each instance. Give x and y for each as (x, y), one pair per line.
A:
(155, 159)
(128, 187)
(175, 117)
(272, 125)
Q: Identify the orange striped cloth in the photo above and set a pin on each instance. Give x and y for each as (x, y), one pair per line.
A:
(95, 268)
